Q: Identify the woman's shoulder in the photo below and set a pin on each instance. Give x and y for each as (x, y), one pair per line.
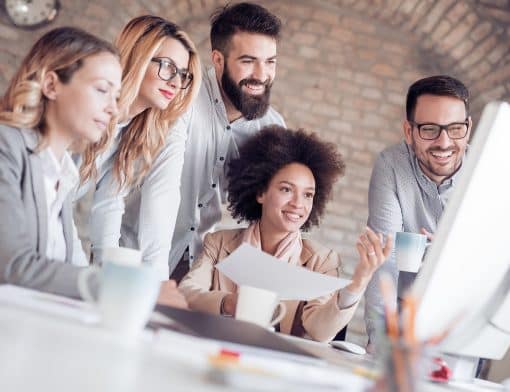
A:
(318, 250)
(223, 242)
(8, 132)
(224, 236)
(15, 140)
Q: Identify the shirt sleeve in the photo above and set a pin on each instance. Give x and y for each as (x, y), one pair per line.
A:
(384, 216)
(79, 257)
(160, 200)
(196, 285)
(347, 298)
(106, 214)
(322, 317)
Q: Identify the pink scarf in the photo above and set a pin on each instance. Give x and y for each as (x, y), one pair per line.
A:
(289, 249)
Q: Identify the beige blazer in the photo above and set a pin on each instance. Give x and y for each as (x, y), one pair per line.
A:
(204, 287)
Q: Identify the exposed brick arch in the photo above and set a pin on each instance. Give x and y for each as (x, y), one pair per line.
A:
(468, 38)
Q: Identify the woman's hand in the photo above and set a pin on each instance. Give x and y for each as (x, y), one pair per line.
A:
(371, 255)
(229, 304)
(170, 295)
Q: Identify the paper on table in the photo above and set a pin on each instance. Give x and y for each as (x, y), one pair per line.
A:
(250, 266)
(48, 303)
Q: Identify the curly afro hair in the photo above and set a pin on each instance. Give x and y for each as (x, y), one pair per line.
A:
(264, 154)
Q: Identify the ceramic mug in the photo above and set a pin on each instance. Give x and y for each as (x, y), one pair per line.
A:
(258, 306)
(127, 290)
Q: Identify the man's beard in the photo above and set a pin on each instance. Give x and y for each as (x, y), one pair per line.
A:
(425, 163)
(251, 106)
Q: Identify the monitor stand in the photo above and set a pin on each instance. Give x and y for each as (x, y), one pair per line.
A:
(463, 367)
(464, 374)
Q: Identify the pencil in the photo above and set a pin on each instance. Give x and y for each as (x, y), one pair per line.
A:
(390, 306)
(409, 319)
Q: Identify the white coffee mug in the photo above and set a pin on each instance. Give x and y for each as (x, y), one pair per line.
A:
(127, 290)
(258, 306)
(119, 255)
(409, 249)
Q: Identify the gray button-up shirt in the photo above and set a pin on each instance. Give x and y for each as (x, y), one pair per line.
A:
(212, 142)
(400, 198)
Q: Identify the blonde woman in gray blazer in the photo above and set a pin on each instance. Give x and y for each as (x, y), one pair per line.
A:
(64, 93)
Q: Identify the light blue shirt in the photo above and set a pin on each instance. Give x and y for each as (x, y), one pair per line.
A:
(143, 216)
(400, 198)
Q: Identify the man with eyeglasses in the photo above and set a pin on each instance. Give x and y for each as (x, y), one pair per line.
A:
(412, 181)
(233, 104)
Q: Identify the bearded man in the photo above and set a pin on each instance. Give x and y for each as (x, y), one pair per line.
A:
(232, 105)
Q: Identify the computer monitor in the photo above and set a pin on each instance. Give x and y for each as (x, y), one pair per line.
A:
(465, 277)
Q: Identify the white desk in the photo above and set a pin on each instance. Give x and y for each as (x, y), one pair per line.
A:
(39, 352)
(47, 353)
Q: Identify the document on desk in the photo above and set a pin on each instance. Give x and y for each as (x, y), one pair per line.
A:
(250, 266)
(49, 304)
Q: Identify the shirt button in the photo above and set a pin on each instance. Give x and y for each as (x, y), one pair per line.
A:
(222, 158)
(200, 205)
(192, 229)
(214, 185)
(216, 100)
(228, 127)
(191, 257)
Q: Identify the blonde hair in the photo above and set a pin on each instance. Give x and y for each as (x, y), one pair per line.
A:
(61, 50)
(145, 135)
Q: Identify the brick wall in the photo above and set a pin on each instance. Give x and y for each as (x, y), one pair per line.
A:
(343, 70)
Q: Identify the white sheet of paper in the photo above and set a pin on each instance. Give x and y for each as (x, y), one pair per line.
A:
(250, 266)
(49, 304)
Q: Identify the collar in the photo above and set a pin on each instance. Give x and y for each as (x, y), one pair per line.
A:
(217, 99)
(231, 244)
(119, 128)
(31, 137)
(64, 171)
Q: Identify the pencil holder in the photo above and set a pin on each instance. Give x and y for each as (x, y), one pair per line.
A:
(402, 364)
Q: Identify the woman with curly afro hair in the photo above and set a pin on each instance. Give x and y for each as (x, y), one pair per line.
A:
(280, 185)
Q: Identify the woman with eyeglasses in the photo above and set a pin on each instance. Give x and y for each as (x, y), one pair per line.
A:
(161, 77)
(63, 93)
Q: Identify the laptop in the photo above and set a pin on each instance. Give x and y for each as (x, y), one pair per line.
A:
(237, 335)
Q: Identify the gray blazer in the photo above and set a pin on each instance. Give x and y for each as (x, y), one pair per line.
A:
(24, 224)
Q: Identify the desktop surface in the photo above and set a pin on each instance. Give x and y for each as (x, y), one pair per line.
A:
(45, 352)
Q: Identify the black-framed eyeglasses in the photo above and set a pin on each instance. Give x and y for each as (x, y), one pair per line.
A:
(431, 131)
(168, 70)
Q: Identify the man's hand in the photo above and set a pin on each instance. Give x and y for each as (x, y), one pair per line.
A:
(429, 235)
(170, 295)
